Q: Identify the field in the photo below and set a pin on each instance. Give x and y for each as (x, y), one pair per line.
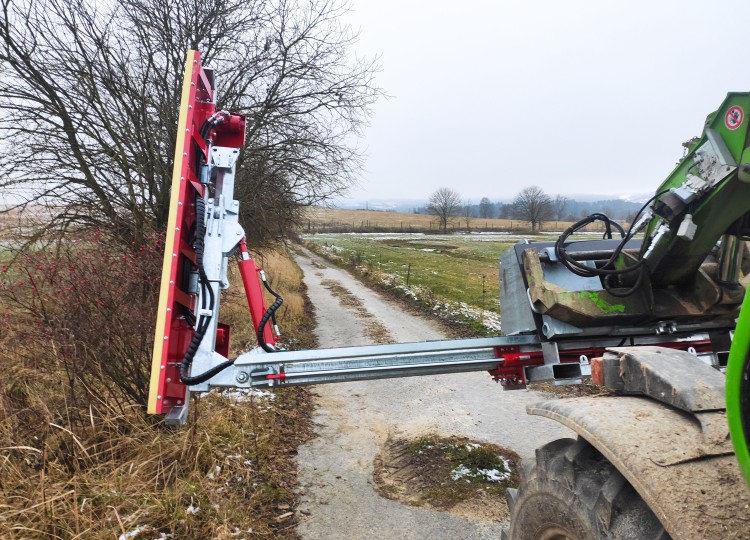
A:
(337, 220)
(454, 276)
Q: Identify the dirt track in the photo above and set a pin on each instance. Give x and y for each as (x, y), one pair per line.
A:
(353, 420)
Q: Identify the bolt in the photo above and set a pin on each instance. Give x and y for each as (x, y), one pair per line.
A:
(241, 377)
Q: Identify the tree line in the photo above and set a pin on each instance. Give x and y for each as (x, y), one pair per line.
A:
(531, 204)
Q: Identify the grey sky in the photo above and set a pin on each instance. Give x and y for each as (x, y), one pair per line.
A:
(574, 96)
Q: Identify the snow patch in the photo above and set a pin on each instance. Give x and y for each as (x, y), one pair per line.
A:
(132, 533)
(488, 475)
(245, 394)
(213, 474)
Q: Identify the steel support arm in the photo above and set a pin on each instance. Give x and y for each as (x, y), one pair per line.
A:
(372, 362)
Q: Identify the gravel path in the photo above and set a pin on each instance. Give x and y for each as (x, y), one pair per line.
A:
(353, 420)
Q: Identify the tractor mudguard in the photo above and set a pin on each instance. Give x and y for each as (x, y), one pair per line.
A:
(682, 464)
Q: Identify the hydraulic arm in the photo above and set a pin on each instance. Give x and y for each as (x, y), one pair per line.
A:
(556, 319)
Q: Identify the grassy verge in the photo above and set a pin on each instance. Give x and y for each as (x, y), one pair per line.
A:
(94, 469)
(453, 278)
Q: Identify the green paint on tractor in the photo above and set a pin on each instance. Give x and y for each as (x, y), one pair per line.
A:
(602, 304)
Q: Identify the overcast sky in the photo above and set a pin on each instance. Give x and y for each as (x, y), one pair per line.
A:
(573, 96)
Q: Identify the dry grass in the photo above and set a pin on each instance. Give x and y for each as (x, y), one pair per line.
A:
(121, 473)
(96, 471)
(335, 219)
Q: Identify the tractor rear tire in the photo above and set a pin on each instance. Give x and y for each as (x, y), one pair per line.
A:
(573, 493)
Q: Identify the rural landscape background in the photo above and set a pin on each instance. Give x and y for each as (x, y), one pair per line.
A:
(80, 457)
(88, 122)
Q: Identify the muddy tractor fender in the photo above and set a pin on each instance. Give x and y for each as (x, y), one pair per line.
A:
(666, 433)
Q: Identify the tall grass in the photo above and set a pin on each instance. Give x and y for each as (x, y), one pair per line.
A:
(78, 456)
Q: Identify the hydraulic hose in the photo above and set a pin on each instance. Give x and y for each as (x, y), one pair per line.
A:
(207, 292)
(269, 314)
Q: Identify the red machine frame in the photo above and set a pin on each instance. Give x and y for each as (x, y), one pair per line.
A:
(173, 332)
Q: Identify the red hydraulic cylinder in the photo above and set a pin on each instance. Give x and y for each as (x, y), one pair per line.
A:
(251, 280)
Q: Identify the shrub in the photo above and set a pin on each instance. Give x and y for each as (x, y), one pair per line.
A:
(78, 458)
(83, 307)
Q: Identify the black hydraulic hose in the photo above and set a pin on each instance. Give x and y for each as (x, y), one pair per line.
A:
(269, 314)
(207, 292)
(606, 270)
(216, 118)
(611, 289)
(264, 321)
(582, 269)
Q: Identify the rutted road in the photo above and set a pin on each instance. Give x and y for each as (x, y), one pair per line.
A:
(353, 420)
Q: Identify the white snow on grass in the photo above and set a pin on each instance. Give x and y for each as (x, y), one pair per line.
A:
(213, 474)
(192, 509)
(461, 471)
(133, 533)
(245, 394)
(449, 310)
(493, 475)
(488, 475)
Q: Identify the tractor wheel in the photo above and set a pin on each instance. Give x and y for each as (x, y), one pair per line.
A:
(574, 493)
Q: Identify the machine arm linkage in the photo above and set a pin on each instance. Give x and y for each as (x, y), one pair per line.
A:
(375, 362)
(511, 360)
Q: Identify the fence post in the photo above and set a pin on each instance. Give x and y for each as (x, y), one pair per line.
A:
(484, 292)
(408, 274)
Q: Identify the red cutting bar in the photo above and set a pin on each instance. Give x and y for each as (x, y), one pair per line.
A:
(173, 331)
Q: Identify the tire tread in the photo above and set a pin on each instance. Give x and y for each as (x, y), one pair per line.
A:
(598, 500)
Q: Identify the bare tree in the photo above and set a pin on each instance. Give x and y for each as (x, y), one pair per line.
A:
(486, 208)
(444, 204)
(91, 91)
(533, 205)
(559, 204)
